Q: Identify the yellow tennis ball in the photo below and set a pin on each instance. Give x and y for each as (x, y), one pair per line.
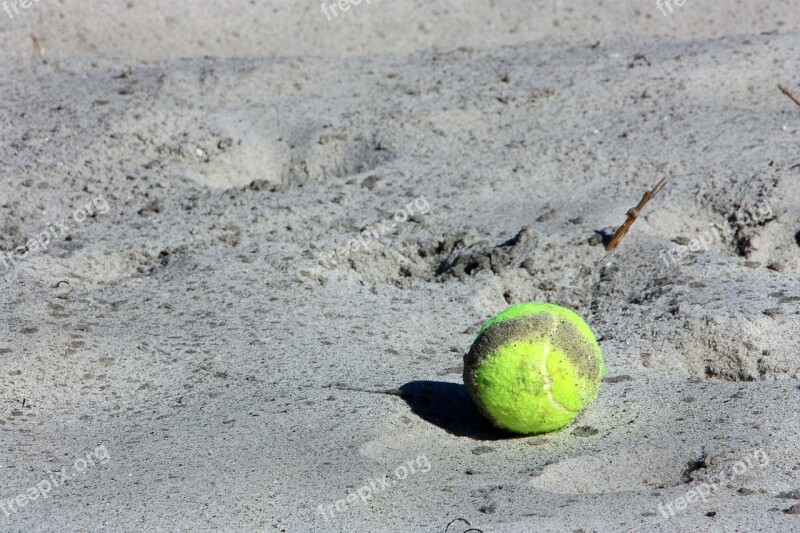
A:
(533, 367)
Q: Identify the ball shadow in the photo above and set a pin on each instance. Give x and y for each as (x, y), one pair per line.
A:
(449, 406)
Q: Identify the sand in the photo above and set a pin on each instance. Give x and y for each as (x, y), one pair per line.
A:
(253, 246)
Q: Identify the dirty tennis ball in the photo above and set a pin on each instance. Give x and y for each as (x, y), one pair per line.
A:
(533, 367)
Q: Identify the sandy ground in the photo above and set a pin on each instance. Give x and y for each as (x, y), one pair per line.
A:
(253, 245)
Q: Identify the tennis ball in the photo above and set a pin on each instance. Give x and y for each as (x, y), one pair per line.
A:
(533, 367)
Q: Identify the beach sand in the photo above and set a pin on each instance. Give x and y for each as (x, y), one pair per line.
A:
(259, 243)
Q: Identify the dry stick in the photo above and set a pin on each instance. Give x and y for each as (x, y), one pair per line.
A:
(632, 214)
(788, 93)
(38, 45)
(457, 520)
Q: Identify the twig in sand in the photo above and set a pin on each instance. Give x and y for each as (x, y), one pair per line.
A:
(632, 214)
(788, 93)
(38, 45)
(457, 520)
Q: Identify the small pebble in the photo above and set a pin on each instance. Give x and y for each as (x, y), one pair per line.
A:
(777, 266)
(482, 449)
